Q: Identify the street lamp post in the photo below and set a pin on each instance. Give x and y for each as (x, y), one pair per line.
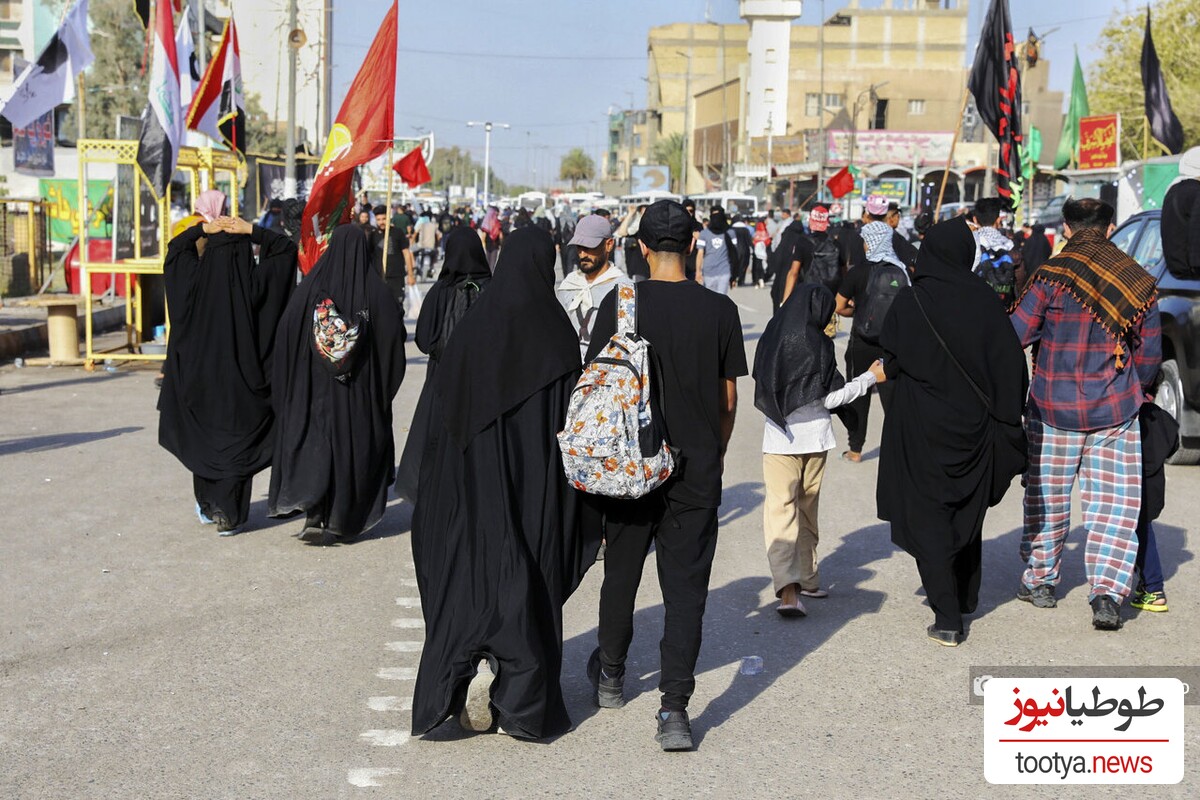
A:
(487, 154)
(687, 97)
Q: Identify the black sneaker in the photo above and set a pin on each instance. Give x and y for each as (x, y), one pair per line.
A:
(1106, 614)
(608, 692)
(674, 731)
(1042, 595)
(944, 637)
(224, 526)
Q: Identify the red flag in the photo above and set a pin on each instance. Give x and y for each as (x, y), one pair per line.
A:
(412, 169)
(842, 183)
(363, 131)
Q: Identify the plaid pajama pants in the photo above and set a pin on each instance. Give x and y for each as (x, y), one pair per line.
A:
(1109, 466)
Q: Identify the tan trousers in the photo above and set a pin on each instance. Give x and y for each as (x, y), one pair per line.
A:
(793, 488)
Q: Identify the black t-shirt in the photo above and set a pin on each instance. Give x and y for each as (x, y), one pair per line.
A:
(854, 283)
(696, 335)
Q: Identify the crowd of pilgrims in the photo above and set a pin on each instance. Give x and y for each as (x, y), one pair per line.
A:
(263, 370)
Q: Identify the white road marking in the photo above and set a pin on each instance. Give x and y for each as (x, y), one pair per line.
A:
(398, 673)
(404, 622)
(409, 602)
(389, 703)
(408, 582)
(746, 308)
(367, 777)
(405, 647)
(389, 738)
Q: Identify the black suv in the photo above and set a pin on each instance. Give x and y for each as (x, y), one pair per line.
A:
(1179, 304)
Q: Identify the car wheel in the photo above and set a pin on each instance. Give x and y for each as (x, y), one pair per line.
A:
(1170, 399)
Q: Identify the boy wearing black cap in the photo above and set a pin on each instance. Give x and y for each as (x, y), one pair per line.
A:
(696, 335)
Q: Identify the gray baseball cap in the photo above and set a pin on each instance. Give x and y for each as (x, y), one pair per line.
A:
(591, 231)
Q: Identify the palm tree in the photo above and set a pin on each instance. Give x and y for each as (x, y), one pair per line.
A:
(577, 166)
(669, 152)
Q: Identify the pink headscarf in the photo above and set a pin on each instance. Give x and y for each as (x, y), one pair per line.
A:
(210, 204)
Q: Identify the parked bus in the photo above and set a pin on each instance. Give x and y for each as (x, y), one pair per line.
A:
(732, 202)
(645, 198)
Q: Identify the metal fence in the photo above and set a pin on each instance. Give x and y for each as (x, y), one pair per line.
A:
(24, 246)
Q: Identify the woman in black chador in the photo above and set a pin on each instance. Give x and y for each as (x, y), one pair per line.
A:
(464, 275)
(215, 408)
(953, 440)
(496, 542)
(339, 360)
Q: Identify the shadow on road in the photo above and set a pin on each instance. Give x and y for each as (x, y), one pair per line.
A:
(739, 500)
(37, 387)
(55, 441)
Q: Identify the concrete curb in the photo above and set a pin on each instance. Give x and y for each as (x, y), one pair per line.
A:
(34, 338)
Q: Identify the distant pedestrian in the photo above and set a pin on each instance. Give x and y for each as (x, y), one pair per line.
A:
(340, 354)
(215, 411)
(716, 256)
(1093, 310)
(1181, 218)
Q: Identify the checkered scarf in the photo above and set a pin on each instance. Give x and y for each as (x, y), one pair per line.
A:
(1108, 283)
(878, 238)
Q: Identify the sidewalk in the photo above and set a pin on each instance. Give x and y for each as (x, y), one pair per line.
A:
(23, 331)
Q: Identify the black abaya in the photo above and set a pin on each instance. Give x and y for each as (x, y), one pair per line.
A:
(496, 540)
(335, 453)
(938, 459)
(464, 274)
(215, 406)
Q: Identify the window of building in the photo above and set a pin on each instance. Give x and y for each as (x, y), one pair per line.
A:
(637, 140)
(835, 101)
(812, 104)
(916, 107)
(879, 118)
(772, 56)
(10, 10)
(769, 96)
(6, 64)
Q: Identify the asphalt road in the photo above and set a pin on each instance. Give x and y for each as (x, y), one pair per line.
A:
(144, 657)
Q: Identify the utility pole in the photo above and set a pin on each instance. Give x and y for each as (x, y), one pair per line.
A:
(289, 170)
(820, 105)
(200, 15)
(770, 158)
(487, 154)
(687, 102)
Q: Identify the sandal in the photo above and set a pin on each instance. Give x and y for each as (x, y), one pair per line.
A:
(850, 455)
(1150, 601)
(788, 610)
(820, 594)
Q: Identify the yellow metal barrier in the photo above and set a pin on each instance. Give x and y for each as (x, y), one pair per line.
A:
(202, 166)
(24, 245)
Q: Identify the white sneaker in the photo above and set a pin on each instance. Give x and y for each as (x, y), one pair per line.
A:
(477, 712)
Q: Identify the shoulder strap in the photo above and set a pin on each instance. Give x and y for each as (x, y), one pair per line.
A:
(978, 392)
(626, 308)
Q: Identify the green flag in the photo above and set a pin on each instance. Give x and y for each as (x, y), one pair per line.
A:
(1068, 143)
(1031, 154)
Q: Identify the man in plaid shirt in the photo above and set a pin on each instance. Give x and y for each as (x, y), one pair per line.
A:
(1094, 314)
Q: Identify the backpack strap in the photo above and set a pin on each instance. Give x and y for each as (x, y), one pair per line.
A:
(626, 309)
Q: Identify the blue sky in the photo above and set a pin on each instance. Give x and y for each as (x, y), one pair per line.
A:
(552, 68)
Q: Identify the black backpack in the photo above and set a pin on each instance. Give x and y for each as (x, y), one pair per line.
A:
(885, 282)
(998, 271)
(825, 267)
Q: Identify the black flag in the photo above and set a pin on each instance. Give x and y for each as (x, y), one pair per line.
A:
(1164, 125)
(996, 84)
(142, 9)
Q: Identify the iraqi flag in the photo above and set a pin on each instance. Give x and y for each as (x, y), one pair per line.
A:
(50, 80)
(363, 131)
(219, 108)
(162, 121)
(996, 83)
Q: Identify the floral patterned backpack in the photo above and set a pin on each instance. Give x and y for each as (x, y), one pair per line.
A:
(613, 445)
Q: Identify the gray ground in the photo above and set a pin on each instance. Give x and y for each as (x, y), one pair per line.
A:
(144, 657)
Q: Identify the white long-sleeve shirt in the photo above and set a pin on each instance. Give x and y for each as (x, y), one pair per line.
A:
(810, 428)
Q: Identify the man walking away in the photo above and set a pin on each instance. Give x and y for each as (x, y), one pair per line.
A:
(714, 261)
(1181, 218)
(581, 292)
(697, 339)
(997, 259)
(743, 247)
(827, 261)
(1094, 311)
(903, 247)
(866, 295)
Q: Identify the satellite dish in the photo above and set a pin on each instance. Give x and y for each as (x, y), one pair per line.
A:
(297, 39)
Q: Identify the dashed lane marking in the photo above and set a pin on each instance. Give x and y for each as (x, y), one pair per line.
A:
(405, 622)
(397, 673)
(409, 602)
(405, 647)
(390, 703)
(389, 738)
(368, 776)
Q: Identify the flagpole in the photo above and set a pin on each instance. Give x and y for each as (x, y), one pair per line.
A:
(1145, 137)
(953, 146)
(387, 226)
(82, 117)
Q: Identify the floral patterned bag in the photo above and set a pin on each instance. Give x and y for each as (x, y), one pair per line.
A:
(613, 445)
(338, 344)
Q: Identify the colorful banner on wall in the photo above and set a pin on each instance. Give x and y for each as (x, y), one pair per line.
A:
(33, 147)
(62, 196)
(896, 189)
(1100, 142)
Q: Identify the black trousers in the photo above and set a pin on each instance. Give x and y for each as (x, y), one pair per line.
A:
(685, 539)
(758, 269)
(859, 357)
(952, 584)
(227, 497)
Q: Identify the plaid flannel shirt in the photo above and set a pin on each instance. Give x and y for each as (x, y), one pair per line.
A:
(1076, 385)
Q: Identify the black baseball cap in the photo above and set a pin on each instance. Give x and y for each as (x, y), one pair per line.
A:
(666, 227)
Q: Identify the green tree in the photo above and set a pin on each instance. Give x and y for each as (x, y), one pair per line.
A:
(577, 166)
(263, 135)
(115, 83)
(1115, 84)
(669, 152)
